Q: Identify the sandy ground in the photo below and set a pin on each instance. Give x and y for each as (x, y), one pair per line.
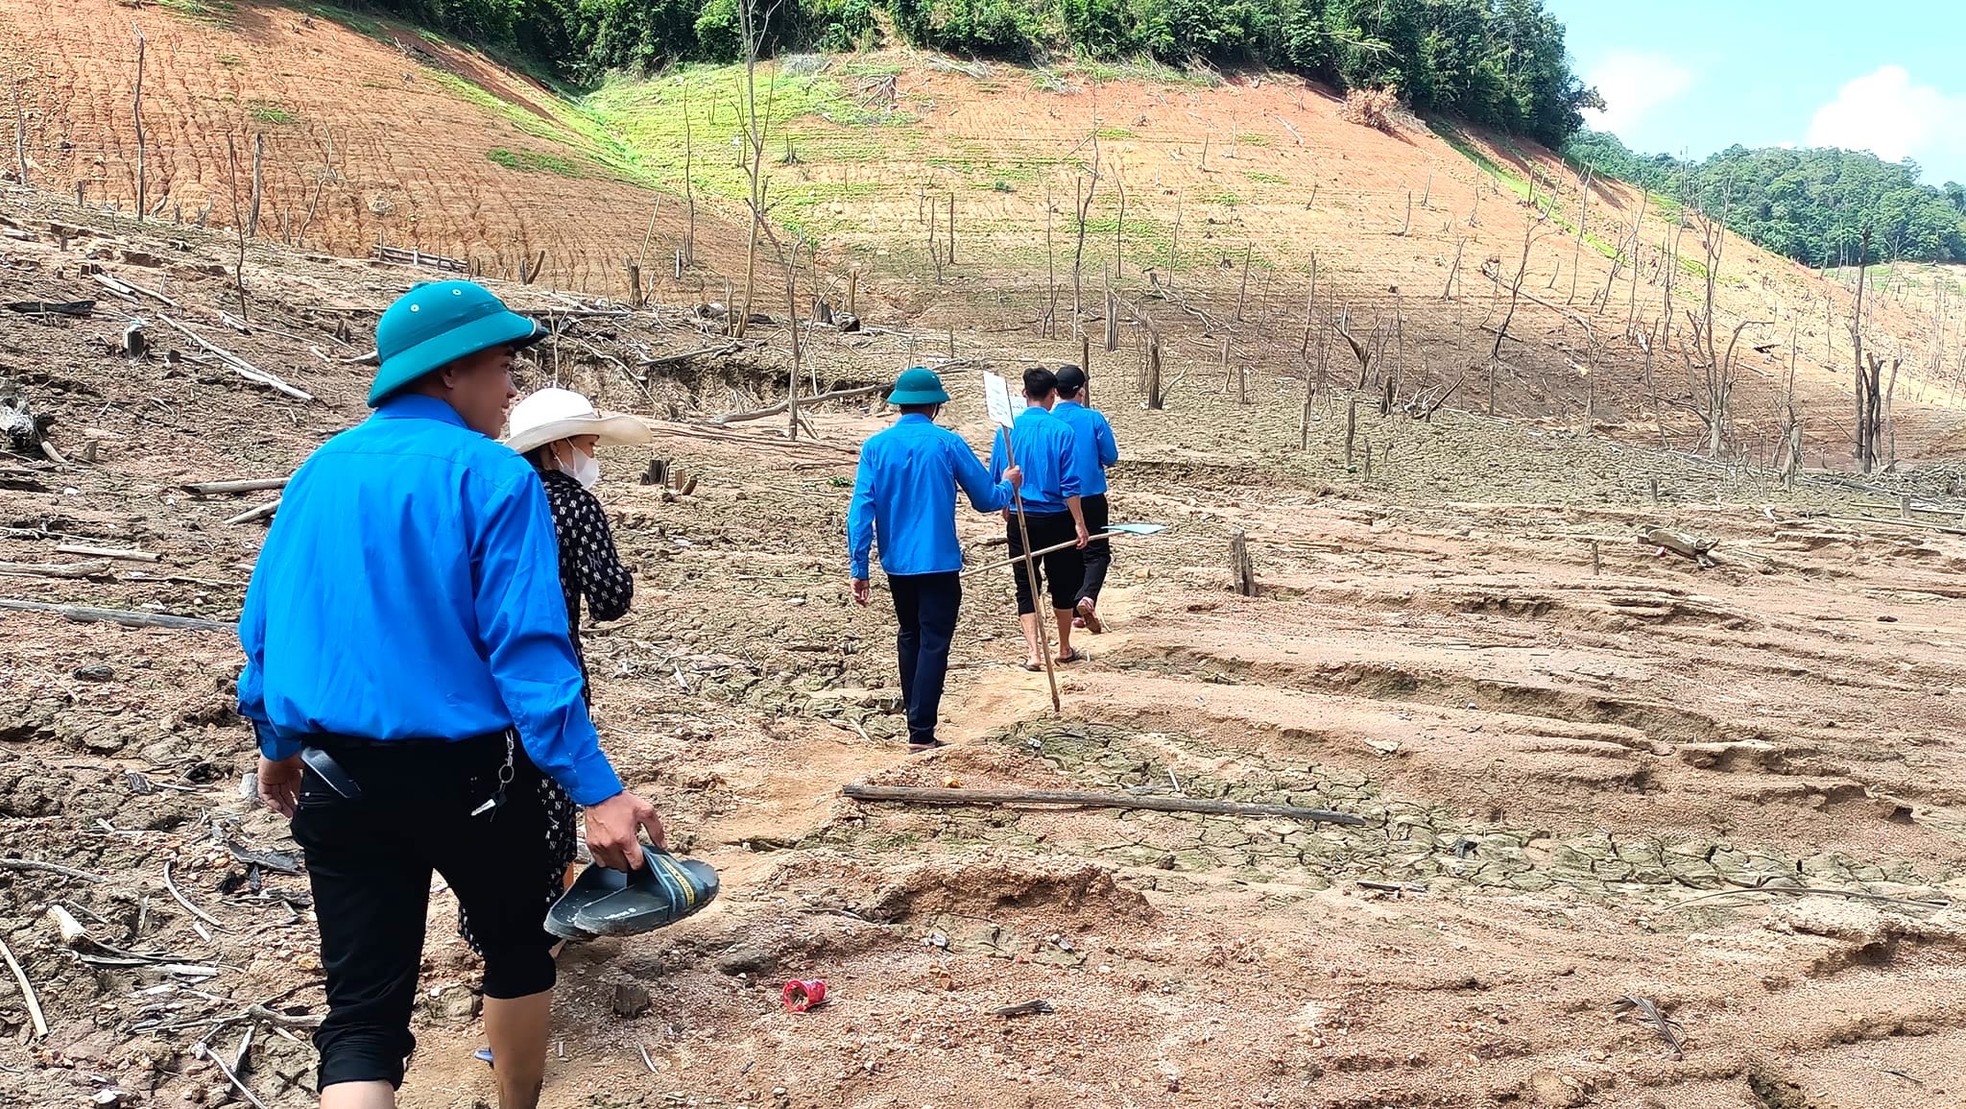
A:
(1730, 792)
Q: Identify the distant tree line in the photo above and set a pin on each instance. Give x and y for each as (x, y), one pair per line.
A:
(1496, 62)
(1812, 205)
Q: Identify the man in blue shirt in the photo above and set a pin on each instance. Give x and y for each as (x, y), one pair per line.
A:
(1093, 449)
(904, 498)
(1052, 514)
(409, 676)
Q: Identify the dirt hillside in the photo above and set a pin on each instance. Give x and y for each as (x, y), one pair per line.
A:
(1218, 206)
(1589, 770)
(372, 133)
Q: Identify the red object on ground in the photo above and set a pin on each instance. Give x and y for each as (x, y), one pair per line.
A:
(804, 993)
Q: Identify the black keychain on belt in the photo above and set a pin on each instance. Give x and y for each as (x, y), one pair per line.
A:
(505, 774)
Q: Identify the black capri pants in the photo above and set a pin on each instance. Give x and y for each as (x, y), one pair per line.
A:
(1064, 569)
(369, 862)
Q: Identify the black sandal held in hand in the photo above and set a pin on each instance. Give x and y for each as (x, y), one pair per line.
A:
(606, 902)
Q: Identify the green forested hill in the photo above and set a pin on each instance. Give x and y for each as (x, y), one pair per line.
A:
(1815, 205)
(1497, 62)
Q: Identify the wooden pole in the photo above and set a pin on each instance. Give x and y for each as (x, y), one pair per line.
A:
(1053, 549)
(1031, 577)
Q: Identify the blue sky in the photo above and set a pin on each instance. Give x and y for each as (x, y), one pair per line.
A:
(1690, 77)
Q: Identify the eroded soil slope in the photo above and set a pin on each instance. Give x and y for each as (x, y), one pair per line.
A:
(1588, 770)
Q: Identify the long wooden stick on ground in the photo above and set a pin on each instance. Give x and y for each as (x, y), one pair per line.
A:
(107, 552)
(26, 992)
(257, 512)
(50, 868)
(773, 410)
(244, 485)
(922, 795)
(82, 614)
(91, 569)
(239, 365)
(214, 1060)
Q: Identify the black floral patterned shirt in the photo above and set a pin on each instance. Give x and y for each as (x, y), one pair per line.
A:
(589, 566)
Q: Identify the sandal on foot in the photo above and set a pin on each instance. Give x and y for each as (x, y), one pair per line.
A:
(1088, 612)
(1033, 667)
(1076, 656)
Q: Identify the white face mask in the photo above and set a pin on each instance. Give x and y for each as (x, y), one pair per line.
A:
(585, 468)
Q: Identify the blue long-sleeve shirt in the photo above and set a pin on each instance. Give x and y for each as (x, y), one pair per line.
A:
(1044, 452)
(1093, 445)
(410, 589)
(904, 497)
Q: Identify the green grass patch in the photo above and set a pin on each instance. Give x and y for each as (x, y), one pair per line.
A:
(216, 12)
(1266, 178)
(532, 161)
(1221, 196)
(1244, 138)
(357, 22)
(638, 127)
(229, 60)
(1114, 133)
(1002, 186)
(1510, 180)
(1149, 71)
(265, 111)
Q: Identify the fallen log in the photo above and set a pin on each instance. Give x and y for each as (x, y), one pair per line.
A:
(923, 795)
(700, 352)
(773, 410)
(92, 569)
(82, 614)
(107, 552)
(243, 485)
(77, 309)
(1687, 546)
(257, 512)
(239, 365)
(131, 290)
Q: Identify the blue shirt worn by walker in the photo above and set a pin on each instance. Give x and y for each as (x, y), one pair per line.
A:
(410, 589)
(1044, 452)
(904, 498)
(1093, 445)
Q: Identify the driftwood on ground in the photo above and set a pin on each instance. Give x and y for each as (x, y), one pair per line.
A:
(83, 614)
(922, 795)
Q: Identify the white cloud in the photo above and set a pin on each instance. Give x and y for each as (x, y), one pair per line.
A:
(1888, 115)
(1632, 85)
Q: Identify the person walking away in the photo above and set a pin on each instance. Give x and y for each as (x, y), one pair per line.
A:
(409, 676)
(904, 500)
(1093, 450)
(557, 431)
(1053, 514)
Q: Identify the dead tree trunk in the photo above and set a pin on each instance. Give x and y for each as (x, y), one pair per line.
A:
(259, 185)
(20, 135)
(21, 431)
(1241, 569)
(1866, 447)
(136, 115)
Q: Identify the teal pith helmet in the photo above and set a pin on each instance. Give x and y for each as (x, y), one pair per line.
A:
(918, 386)
(437, 323)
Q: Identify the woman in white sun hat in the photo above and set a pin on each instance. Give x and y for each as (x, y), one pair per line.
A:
(557, 430)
